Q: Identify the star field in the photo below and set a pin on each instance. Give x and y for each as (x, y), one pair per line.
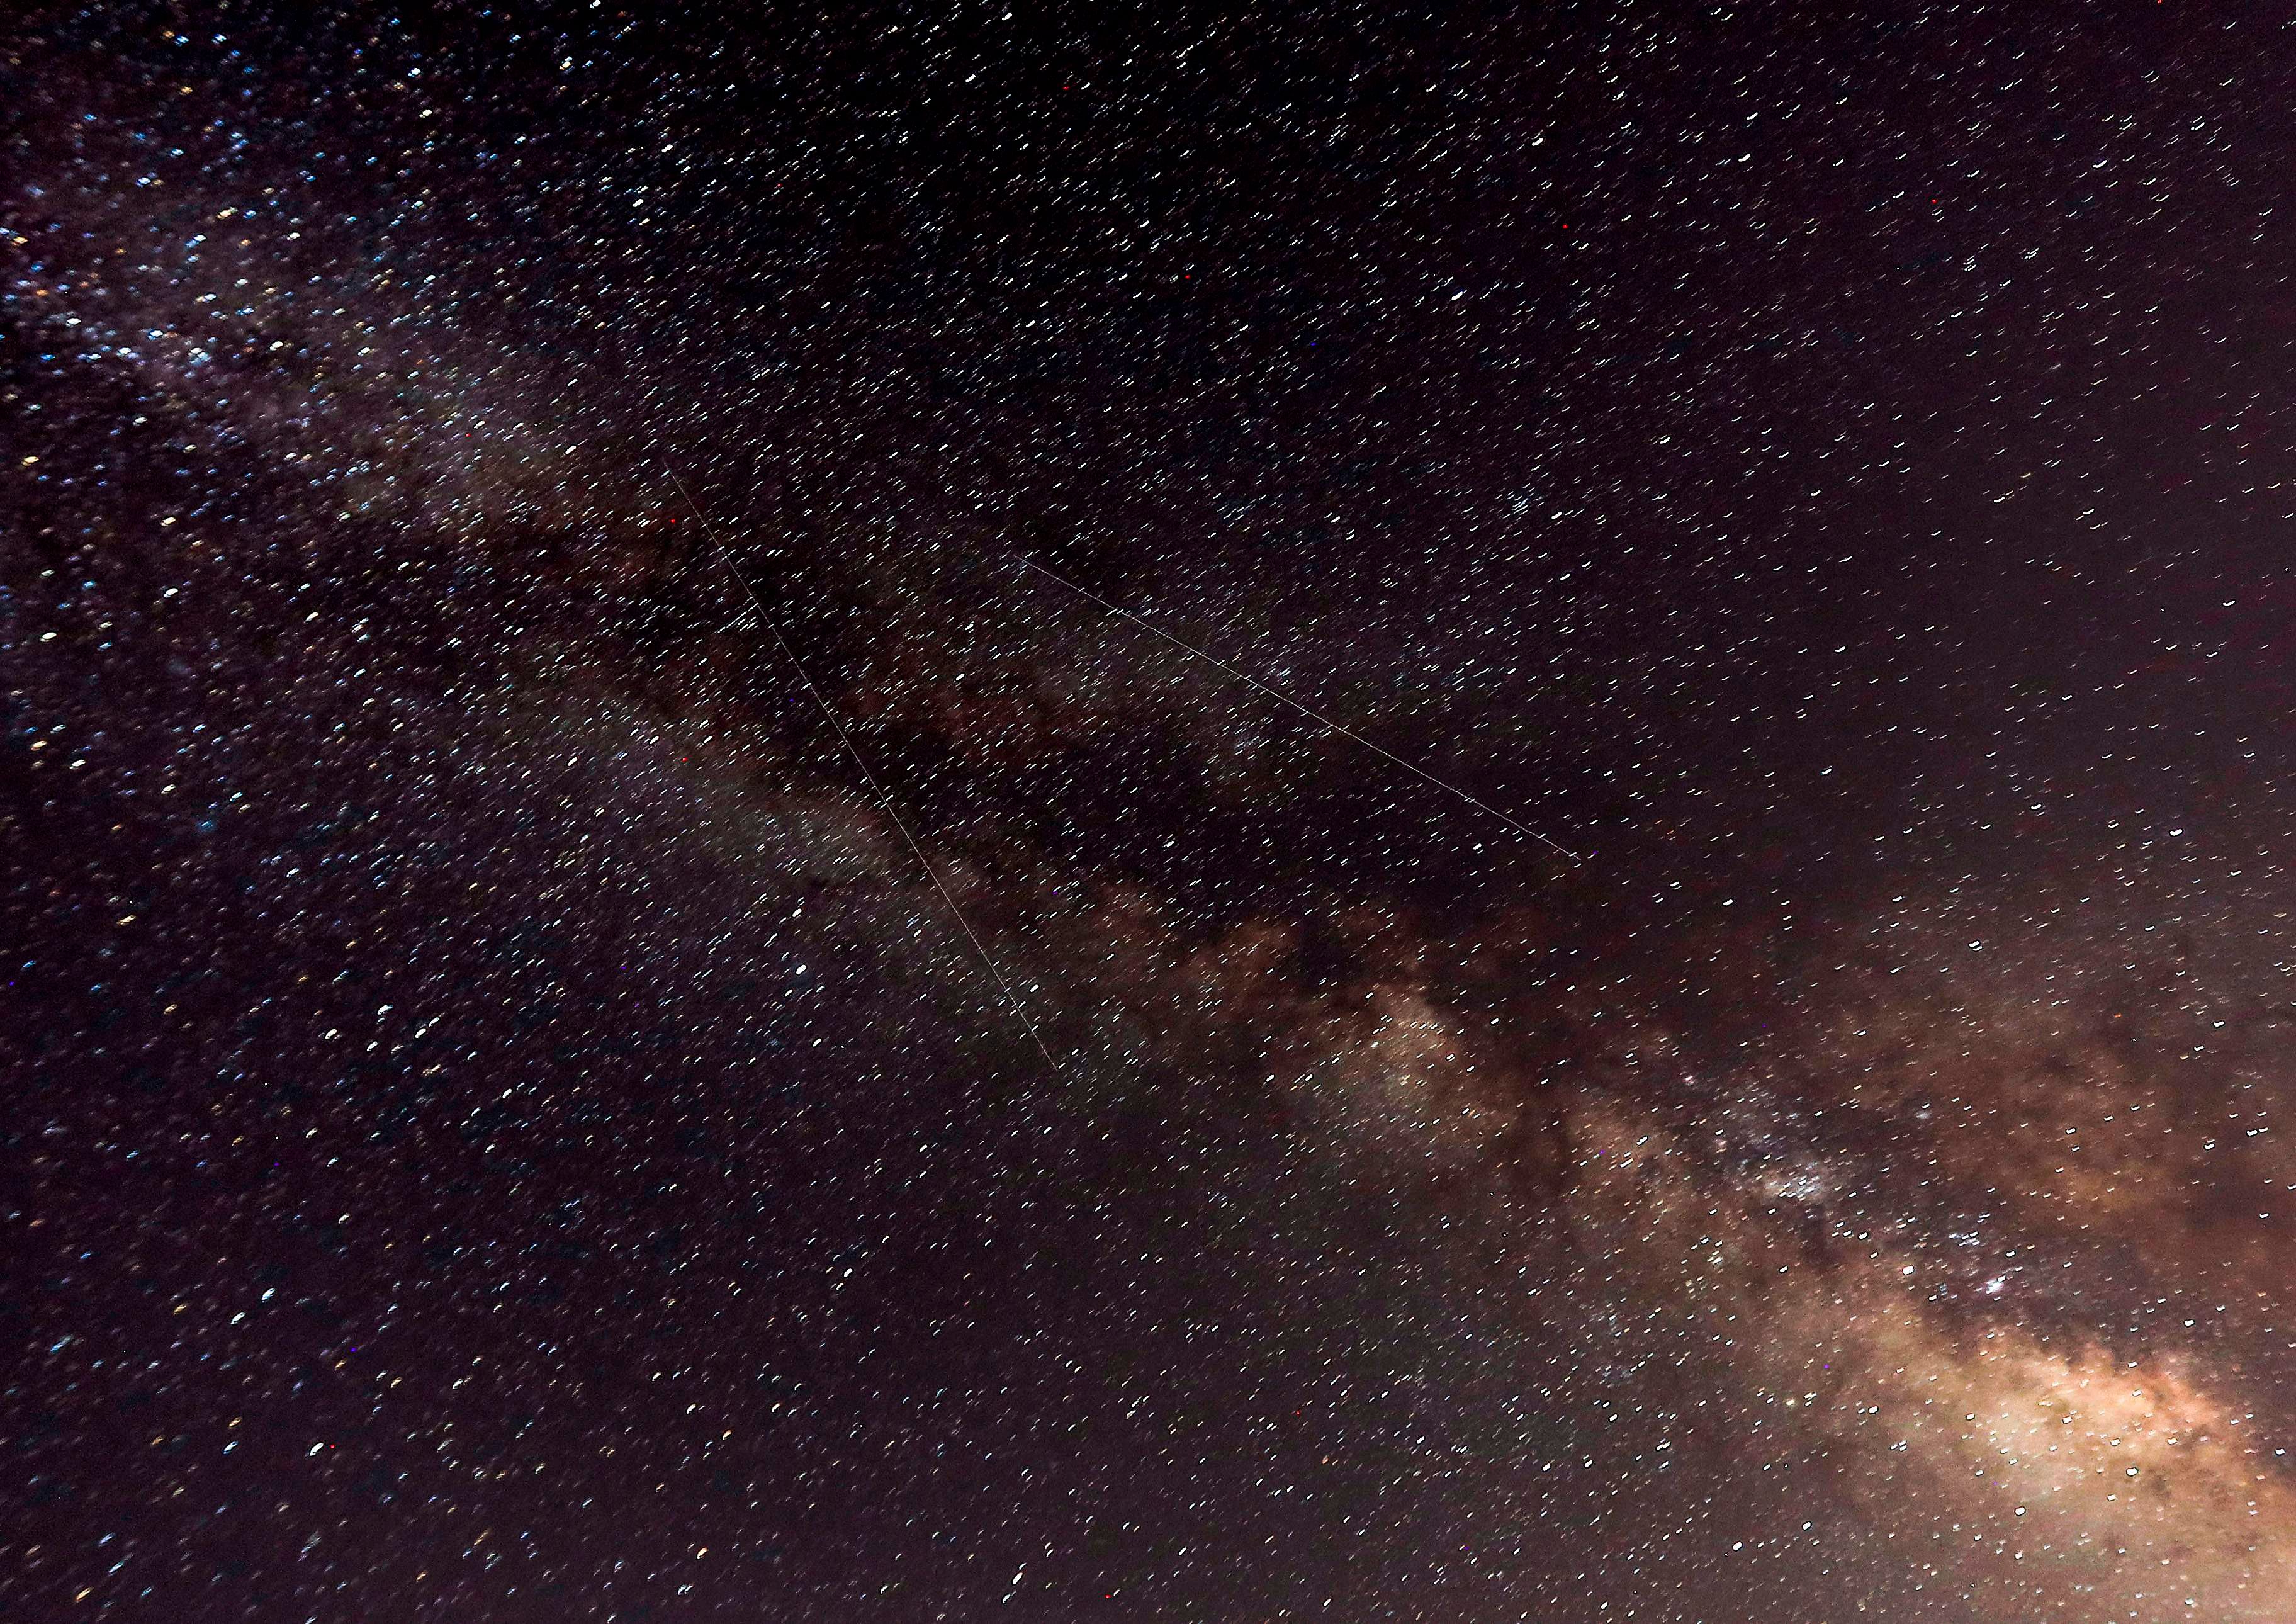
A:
(501, 1126)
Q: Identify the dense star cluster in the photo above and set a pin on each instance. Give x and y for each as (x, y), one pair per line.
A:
(520, 527)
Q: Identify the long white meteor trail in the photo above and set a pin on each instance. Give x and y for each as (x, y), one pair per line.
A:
(1313, 715)
(725, 555)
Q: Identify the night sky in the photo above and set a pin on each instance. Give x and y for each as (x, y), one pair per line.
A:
(501, 1126)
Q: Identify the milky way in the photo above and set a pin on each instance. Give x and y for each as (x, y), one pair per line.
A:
(502, 1127)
